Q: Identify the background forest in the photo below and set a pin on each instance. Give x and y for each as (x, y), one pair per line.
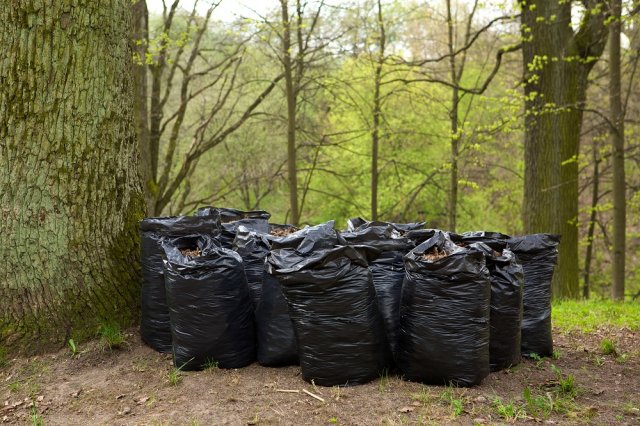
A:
(389, 110)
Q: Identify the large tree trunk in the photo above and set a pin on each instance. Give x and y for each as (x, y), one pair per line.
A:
(557, 63)
(69, 187)
(617, 139)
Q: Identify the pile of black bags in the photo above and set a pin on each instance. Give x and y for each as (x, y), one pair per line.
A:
(225, 287)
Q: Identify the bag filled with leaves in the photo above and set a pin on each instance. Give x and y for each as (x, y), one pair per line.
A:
(507, 280)
(332, 302)
(387, 271)
(209, 304)
(275, 336)
(444, 314)
(538, 254)
(154, 324)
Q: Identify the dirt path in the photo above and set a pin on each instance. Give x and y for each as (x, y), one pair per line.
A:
(131, 386)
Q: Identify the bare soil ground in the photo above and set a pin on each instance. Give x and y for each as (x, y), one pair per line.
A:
(132, 386)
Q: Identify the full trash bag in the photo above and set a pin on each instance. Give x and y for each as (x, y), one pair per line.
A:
(209, 304)
(154, 324)
(332, 302)
(253, 247)
(507, 280)
(387, 271)
(538, 254)
(276, 337)
(227, 215)
(358, 224)
(444, 314)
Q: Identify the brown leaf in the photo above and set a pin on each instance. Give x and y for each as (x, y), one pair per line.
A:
(142, 400)
(406, 409)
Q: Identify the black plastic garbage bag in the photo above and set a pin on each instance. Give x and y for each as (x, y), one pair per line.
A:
(310, 239)
(227, 215)
(538, 254)
(154, 323)
(209, 304)
(228, 230)
(276, 337)
(387, 271)
(332, 302)
(419, 236)
(495, 240)
(253, 247)
(358, 223)
(507, 280)
(444, 314)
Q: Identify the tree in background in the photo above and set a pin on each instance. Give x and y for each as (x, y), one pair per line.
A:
(70, 190)
(557, 61)
(617, 141)
(196, 99)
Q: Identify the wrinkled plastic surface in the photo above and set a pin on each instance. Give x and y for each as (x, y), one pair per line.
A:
(507, 281)
(310, 239)
(419, 236)
(209, 305)
(444, 316)
(332, 302)
(387, 271)
(538, 254)
(276, 337)
(253, 247)
(358, 224)
(228, 230)
(154, 324)
(495, 240)
(227, 215)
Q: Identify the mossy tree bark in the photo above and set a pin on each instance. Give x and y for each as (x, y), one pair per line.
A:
(69, 186)
(557, 62)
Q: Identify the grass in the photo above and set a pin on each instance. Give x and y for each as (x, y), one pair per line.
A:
(111, 335)
(608, 347)
(384, 381)
(448, 396)
(510, 411)
(588, 315)
(210, 365)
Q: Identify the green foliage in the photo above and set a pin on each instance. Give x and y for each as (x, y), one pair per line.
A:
(587, 316)
(111, 335)
(72, 347)
(210, 365)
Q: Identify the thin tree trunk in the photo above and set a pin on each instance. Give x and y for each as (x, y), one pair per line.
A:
(617, 140)
(70, 193)
(592, 223)
(291, 114)
(140, 41)
(376, 112)
(453, 115)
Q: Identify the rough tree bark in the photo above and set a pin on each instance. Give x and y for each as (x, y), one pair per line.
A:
(69, 186)
(617, 141)
(557, 62)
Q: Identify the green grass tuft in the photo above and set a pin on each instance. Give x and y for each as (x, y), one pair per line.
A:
(111, 335)
(608, 347)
